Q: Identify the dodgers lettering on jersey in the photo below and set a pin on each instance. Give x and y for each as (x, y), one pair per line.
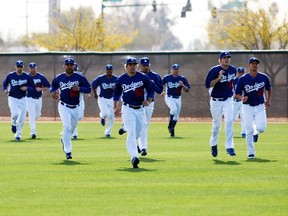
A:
(223, 88)
(16, 82)
(106, 85)
(65, 84)
(132, 88)
(253, 88)
(155, 80)
(173, 87)
(39, 81)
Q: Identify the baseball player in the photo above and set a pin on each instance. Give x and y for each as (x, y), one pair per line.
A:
(34, 97)
(131, 86)
(174, 84)
(70, 84)
(81, 104)
(15, 85)
(254, 85)
(158, 88)
(103, 87)
(237, 104)
(219, 82)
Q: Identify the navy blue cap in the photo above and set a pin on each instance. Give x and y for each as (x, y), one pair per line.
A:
(76, 66)
(131, 60)
(145, 61)
(175, 66)
(109, 67)
(240, 70)
(252, 59)
(69, 61)
(224, 54)
(19, 63)
(32, 65)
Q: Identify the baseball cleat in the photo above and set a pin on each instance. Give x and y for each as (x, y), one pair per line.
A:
(107, 135)
(214, 151)
(33, 136)
(75, 137)
(230, 151)
(172, 133)
(17, 138)
(250, 156)
(68, 155)
(103, 122)
(143, 152)
(135, 161)
(14, 129)
(255, 138)
(121, 131)
(138, 149)
(243, 135)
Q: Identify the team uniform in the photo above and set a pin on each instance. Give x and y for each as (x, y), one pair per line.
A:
(132, 89)
(157, 85)
(254, 111)
(221, 103)
(69, 104)
(17, 97)
(104, 86)
(34, 99)
(237, 104)
(173, 96)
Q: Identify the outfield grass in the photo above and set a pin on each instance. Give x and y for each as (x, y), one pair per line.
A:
(177, 177)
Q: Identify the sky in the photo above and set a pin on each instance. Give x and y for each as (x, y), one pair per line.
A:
(32, 15)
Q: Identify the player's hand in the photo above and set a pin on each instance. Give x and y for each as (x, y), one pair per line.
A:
(267, 104)
(244, 99)
(23, 88)
(145, 103)
(55, 95)
(76, 88)
(181, 83)
(6, 92)
(220, 74)
(162, 94)
(116, 111)
(38, 89)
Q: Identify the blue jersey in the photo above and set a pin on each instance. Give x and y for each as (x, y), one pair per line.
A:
(173, 87)
(132, 88)
(223, 88)
(39, 81)
(253, 88)
(65, 84)
(16, 82)
(106, 85)
(155, 80)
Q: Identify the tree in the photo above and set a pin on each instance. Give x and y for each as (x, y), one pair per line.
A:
(248, 29)
(79, 30)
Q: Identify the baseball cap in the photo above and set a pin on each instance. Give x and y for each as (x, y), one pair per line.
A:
(76, 66)
(69, 61)
(240, 70)
(109, 67)
(224, 54)
(19, 63)
(145, 61)
(252, 59)
(131, 60)
(32, 65)
(175, 66)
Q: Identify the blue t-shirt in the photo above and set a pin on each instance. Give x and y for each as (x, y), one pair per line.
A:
(155, 80)
(173, 87)
(39, 81)
(106, 85)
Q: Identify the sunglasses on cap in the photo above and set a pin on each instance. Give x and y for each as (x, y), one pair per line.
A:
(132, 64)
(19, 66)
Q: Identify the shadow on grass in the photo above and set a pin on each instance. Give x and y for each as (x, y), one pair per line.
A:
(150, 160)
(260, 160)
(220, 162)
(176, 137)
(135, 170)
(106, 138)
(70, 163)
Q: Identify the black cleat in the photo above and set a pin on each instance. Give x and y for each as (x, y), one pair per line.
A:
(68, 155)
(135, 161)
(14, 129)
(138, 149)
(143, 152)
(214, 151)
(172, 133)
(121, 131)
(33, 136)
(231, 151)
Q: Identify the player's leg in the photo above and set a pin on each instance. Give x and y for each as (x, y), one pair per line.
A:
(172, 111)
(243, 132)
(260, 118)
(31, 109)
(13, 105)
(110, 119)
(248, 116)
(21, 117)
(229, 123)
(216, 113)
(143, 139)
(104, 111)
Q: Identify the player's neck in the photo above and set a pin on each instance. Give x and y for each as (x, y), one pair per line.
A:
(253, 73)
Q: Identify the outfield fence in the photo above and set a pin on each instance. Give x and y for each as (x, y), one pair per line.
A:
(194, 66)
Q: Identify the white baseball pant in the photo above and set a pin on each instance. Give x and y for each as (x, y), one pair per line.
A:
(174, 105)
(218, 109)
(81, 112)
(237, 112)
(34, 107)
(106, 111)
(18, 113)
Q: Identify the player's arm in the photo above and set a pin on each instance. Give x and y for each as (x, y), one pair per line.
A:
(268, 96)
(94, 85)
(54, 89)
(215, 81)
(5, 85)
(185, 85)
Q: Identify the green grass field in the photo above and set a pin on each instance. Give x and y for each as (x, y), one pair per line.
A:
(177, 177)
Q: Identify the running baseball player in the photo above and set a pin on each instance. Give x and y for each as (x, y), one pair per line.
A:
(237, 104)
(219, 82)
(174, 84)
(70, 84)
(15, 85)
(34, 97)
(131, 86)
(103, 87)
(254, 85)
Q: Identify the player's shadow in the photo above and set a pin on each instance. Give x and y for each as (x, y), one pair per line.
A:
(107, 138)
(70, 163)
(259, 160)
(150, 160)
(220, 162)
(133, 170)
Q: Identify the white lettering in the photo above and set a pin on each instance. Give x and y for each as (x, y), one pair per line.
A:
(68, 85)
(254, 87)
(132, 86)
